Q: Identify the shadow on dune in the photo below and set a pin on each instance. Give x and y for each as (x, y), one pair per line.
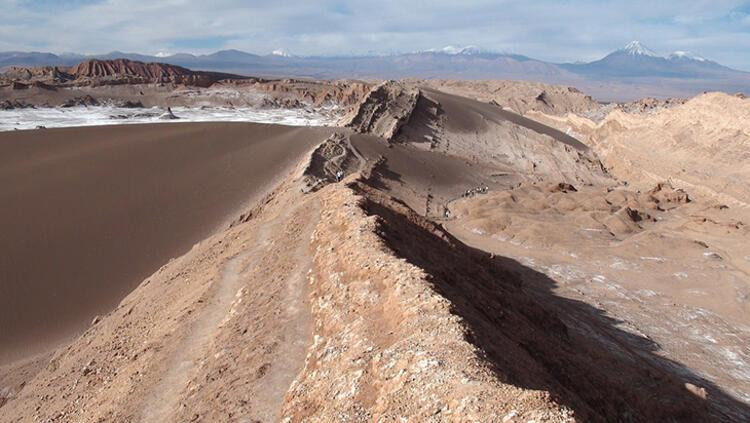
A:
(383, 176)
(515, 318)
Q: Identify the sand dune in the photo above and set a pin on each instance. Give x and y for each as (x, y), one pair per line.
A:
(89, 213)
(495, 148)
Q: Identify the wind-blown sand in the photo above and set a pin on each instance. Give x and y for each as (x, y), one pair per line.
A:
(90, 212)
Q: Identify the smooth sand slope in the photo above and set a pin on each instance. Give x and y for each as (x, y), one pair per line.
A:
(88, 213)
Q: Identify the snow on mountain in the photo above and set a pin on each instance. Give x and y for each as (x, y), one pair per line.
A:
(455, 50)
(678, 55)
(281, 52)
(635, 48)
(638, 61)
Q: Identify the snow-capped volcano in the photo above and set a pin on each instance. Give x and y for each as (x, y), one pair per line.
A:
(637, 60)
(635, 48)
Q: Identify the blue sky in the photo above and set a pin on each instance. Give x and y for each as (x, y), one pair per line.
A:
(565, 30)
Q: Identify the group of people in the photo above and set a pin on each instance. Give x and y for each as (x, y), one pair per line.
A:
(477, 190)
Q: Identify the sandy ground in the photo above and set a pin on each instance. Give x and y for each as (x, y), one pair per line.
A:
(94, 211)
(471, 265)
(170, 351)
(672, 281)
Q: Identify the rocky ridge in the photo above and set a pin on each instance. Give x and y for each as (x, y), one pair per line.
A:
(699, 145)
(112, 72)
(519, 96)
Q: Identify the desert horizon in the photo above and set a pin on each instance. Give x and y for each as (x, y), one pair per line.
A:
(627, 73)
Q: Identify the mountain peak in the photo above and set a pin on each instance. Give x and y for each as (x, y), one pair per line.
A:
(231, 51)
(232, 54)
(635, 48)
(281, 52)
(456, 50)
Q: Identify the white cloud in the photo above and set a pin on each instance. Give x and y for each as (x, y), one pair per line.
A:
(545, 29)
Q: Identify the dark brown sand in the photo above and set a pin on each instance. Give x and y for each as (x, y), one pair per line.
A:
(421, 178)
(88, 213)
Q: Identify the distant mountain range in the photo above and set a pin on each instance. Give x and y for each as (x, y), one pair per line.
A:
(633, 71)
(637, 60)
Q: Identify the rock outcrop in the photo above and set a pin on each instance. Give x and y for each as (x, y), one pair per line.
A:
(115, 72)
(700, 145)
(81, 101)
(519, 96)
(481, 133)
(14, 104)
(344, 93)
(330, 162)
(385, 109)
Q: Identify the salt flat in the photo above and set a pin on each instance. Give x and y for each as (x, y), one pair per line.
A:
(59, 117)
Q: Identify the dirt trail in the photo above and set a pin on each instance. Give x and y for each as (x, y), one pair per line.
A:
(165, 396)
(297, 329)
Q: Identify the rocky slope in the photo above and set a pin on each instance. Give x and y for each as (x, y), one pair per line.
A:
(701, 145)
(519, 96)
(640, 228)
(345, 93)
(384, 110)
(670, 270)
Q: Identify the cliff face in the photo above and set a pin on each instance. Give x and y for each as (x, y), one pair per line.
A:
(114, 72)
(346, 93)
(128, 71)
(165, 85)
(384, 110)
